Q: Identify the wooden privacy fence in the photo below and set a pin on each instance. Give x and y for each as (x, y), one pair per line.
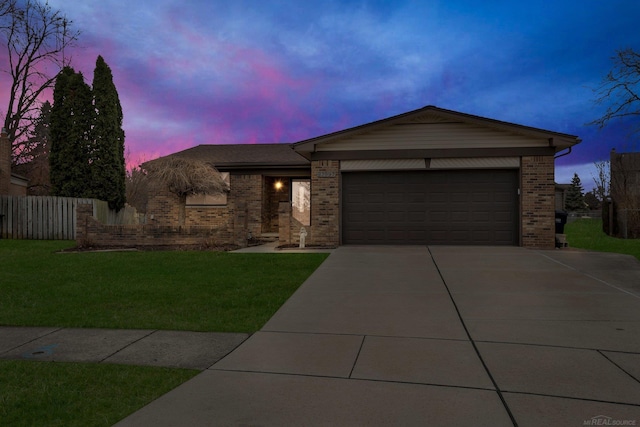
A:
(39, 217)
(52, 218)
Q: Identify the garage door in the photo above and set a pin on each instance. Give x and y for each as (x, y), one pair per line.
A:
(459, 207)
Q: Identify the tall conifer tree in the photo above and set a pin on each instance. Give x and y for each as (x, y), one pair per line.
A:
(108, 166)
(70, 133)
(575, 195)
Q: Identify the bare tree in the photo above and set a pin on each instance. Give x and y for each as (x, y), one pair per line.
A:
(137, 186)
(186, 176)
(620, 89)
(6, 7)
(602, 179)
(36, 37)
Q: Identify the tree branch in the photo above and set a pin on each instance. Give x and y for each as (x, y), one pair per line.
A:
(620, 89)
(35, 36)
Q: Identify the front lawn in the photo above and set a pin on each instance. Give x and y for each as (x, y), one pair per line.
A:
(174, 290)
(76, 394)
(179, 290)
(587, 234)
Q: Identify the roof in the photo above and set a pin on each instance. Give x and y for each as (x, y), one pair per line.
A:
(231, 156)
(266, 156)
(558, 140)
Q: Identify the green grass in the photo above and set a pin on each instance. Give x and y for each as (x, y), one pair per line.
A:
(588, 234)
(74, 394)
(174, 290)
(180, 290)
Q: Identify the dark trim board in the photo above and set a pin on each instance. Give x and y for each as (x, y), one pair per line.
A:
(454, 207)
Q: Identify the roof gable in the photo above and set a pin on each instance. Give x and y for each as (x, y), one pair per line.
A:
(435, 128)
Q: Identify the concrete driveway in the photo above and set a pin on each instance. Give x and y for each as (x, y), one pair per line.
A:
(443, 336)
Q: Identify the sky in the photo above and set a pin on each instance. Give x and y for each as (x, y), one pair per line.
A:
(192, 72)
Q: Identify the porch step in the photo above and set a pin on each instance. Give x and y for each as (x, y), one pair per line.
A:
(269, 237)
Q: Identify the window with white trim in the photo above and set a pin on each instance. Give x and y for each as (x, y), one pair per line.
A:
(301, 200)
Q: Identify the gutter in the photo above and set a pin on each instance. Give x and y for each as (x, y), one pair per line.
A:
(562, 155)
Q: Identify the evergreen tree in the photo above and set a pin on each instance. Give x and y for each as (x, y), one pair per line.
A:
(575, 195)
(108, 171)
(70, 133)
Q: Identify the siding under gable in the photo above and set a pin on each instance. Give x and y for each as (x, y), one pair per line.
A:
(382, 164)
(432, 136)
(475, 163)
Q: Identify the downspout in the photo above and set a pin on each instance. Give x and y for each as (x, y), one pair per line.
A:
(562, 155)
(551, 144)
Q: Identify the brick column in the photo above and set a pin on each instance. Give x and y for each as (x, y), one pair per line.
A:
(248, 189)
(284, 223)
(325, 203)
(240, 228)
(538, 202)
(85, 233)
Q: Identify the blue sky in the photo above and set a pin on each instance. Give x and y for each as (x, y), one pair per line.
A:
(216, 71)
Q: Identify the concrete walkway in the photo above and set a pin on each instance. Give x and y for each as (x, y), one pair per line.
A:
(175, 349)
(273, 247)
(443, 336)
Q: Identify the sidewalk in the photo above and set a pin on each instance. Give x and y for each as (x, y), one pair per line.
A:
(175, 349)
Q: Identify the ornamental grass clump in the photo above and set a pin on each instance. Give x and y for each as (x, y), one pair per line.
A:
(187, 176)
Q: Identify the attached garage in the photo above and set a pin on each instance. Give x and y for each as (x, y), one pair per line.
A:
(456, 207)
(434, 176)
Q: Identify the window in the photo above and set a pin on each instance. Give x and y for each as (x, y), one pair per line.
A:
(301, 200)
(205, 200)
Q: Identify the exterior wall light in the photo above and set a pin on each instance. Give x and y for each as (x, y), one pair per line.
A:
(278, 185)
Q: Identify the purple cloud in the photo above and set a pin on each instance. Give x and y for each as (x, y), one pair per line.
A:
(202, 72)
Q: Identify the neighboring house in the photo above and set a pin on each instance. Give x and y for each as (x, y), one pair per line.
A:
(429, 176)
(10, 183)
(5, 163)
(561, 196)
(625, 192)
(19, 185)
(34, 177)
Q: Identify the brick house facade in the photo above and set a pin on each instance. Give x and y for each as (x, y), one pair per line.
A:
(429, 176)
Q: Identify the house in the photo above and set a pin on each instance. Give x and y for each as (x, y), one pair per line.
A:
(428, 176)
(625, 193)
(260, 177)
(10, 183)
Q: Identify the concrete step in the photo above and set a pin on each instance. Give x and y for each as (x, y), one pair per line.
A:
(269, 237)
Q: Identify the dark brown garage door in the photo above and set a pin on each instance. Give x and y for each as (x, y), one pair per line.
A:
(466, 207)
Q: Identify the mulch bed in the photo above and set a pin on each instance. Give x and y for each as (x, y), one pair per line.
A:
(148, 248)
